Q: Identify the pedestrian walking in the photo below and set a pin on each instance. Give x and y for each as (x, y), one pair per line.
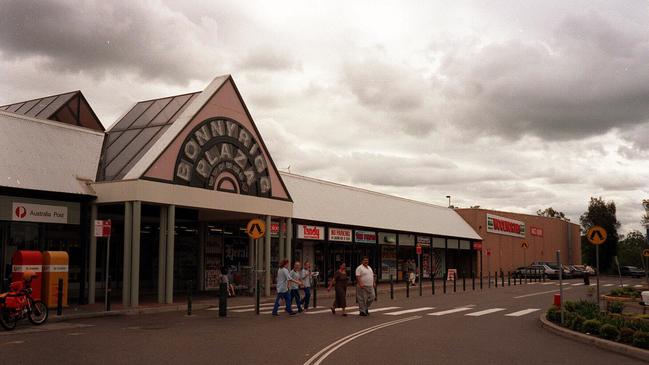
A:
(306, 277)
(339, 282)
(296, 275)
(365, 290)
(283, 281)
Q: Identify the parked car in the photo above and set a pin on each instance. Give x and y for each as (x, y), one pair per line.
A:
(580, 270)
(538, 270)
(631, 271)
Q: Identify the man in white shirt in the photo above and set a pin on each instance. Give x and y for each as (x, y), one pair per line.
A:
(366, 284)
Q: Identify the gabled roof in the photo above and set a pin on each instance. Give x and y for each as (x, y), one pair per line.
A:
(44, 155)
(132, 136)
(70, 108)
(324, 201)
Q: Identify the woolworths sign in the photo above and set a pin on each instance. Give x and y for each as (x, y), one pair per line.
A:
(506, 226)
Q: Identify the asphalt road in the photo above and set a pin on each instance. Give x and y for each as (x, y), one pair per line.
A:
(495, 326)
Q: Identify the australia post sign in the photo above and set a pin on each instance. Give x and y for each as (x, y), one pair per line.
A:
(27, 212)
(506, 226)
(307, 232)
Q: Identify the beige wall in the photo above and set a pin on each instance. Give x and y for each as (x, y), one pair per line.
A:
(506, 251)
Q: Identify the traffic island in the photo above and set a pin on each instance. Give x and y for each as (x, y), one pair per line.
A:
(583, 322)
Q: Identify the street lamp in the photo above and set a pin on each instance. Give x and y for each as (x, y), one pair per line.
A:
(449, 200)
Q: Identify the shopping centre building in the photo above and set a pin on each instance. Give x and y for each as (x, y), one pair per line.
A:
(180, 176)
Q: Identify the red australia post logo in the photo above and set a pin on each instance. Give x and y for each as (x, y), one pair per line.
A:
(20, 212)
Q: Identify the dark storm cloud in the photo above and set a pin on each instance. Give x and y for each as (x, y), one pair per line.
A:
(587, 78)
(105, 38)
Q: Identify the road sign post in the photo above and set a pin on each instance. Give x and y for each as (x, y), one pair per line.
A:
(419, 250)
(596, 235)
(645, 261)
(103, 229)
(256, 228)
(560, 284)
(524, 246)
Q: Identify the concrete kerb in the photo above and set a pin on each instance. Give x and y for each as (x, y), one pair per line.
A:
(129, 312)
(627, 350)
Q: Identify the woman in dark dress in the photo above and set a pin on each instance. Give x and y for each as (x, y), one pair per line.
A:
(339, 282)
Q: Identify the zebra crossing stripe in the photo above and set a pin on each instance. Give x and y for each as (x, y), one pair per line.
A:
(484, 312)
(409, 311)
(523, 312)
(608, 285)
(251, 309)
(637, 286)
(548, 283)
(576, 284)
(329, 310)
(450, 311)
(376, 310)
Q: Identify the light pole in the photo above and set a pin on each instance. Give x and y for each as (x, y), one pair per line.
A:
(449, 200)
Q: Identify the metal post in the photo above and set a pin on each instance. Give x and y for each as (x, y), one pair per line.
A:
(59, 298)
(92, 262)
(432, 281)
(481, 272)
(473, 280)
(315, 292)
(391, 287)
(455, 282)
(267, 240)
(560, 285)
(189, 298)
(463, 281)
(489, 279)
(596, 264)
(502, 278)
(421, 277)
(496, 279)
(444, 283)
(509, 278)
(223, 299)
(107, 275)
(108, 294)
(257, 296)
(407, 289)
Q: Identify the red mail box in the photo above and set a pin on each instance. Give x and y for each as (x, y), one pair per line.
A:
(23, 261)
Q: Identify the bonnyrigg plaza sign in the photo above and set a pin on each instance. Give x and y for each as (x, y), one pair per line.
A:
(506, 226)
(221, 154)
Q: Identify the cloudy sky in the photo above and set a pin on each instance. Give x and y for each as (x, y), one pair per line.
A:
(508, 105)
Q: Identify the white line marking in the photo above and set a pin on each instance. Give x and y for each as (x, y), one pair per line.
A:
(376, 310)
(522, 313)
(548, 283)
(409, 311)
(577, 284)
(608, 285)
(450, 311)
(637, 286)
(539, 293)
(325, 352)
(486, 311)
(329, 310)
(250, 309)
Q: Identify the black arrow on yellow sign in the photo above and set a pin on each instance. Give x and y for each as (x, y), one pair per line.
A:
(255, 230)
(596, 236)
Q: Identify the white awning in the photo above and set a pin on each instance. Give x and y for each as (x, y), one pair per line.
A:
(325, 201)
(44, 155)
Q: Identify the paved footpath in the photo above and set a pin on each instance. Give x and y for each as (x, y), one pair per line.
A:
(495, 326)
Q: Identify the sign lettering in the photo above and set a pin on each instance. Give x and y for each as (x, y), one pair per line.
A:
(536, 231)
(505, 226)
(307, 232)
(365, 236)
(340, 234)
(27, 212)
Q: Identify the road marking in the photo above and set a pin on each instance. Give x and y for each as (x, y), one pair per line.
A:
(548, 283)
(325, 352)
(249, 309)
(484, 312)
(58, 326)
(250, 305)
(539, 293)
(637, 286)
(608, 285)
(13, 343)
(450, 311)
(376, 310)
(409, 311)
(522, 313)
(577, 284)
(329, 310)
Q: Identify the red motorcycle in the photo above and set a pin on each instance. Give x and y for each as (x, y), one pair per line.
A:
(18, 304)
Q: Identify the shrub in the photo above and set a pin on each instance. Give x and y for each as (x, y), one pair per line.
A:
(591, 326)
(641, 339)
(616, 307)
(554, 315)
(609, 332)
(626, 335)
(625, 292)
(577, 322)
(569, 306)
(586, 309)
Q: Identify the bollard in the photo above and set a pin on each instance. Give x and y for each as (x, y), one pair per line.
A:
(223, 299)
(520, 279)
(315, 293)
(454, 283)
(59, 298)
(189, 298)
(473, 280)
(257, 297)
(509, 278)
(421, 282)
(407, 289)
(391, 287)
(543, 276)
(502, 278)
(480, 279)
(108, 291)
(496, 279)
(444, 283)
(489, 280)
(463, 282)
(432, 281)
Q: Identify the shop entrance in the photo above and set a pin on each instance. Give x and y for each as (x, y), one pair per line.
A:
(339, 253)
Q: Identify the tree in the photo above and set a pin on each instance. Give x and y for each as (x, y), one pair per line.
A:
(550, 212)
(629, 250)
(601, 213)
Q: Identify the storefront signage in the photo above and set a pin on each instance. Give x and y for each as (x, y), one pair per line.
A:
(477, 246)
(221, 154)
(102, 228)
(388, 238)
(536, 231)
(365, 236)
(26, 212)
(340, 234)
(307, 232)
(505, 226)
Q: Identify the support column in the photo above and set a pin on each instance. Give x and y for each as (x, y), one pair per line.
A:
(92, 261)
(126, 277)
(135, 254)
(162, 255)
(267, 241)
(289, 240)
(171, 231)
